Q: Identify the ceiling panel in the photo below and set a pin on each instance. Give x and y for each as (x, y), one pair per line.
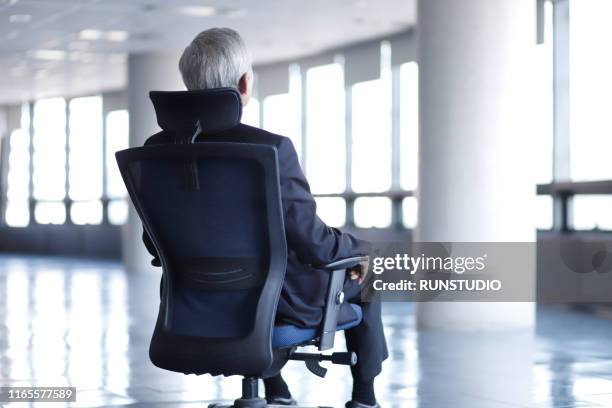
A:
(274, 30)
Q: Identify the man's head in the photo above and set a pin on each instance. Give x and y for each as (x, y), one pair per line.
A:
(217, 58)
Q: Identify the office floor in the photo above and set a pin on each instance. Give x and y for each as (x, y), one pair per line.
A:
(87, 324)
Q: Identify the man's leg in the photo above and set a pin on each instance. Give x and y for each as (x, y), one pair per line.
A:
(277, 391)
(367, 340)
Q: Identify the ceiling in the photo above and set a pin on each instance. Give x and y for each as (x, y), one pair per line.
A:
(73, 47)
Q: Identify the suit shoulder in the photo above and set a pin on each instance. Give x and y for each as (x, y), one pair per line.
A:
(261, 134)
(158, 138)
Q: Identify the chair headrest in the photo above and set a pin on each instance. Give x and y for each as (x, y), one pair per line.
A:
(179, 111)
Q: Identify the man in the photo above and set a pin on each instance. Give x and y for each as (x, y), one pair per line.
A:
(218, 58)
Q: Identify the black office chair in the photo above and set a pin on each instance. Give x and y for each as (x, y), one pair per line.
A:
(214, 214)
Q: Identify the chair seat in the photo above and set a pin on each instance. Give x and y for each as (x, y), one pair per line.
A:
(289, 335)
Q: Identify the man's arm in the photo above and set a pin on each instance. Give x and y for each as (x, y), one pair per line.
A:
(310, 238)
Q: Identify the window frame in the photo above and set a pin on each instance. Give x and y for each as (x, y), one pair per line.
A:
(67, 202)
(395, 193)
(560, 189)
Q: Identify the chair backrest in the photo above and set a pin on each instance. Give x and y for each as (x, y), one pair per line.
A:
(214, 214)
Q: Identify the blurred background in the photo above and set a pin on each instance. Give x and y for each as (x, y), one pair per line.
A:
(384, 159)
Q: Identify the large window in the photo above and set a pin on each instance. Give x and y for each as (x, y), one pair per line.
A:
(354, 183)
(592, 212)
(282, 113)
(64, 180)
(332, 210)
(117, 138)
(250, 113)
(49, 176)
(409, 212)
(409, 125)
(371, 147)
(74, 177)
(590, 89)
(85, 144)
(542, 98)
(582, 87)
(371, 137)
(18, 194)
(372, 212)
(325, 139)
(409, 138)
(347, 142)
(325, 129)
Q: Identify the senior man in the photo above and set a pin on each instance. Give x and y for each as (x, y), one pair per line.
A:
(218, 58)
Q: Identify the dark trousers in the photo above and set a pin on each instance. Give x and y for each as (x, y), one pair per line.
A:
(367, 339)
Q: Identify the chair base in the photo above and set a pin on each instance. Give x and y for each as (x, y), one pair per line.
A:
(244, 403)
(266, 406)
(250, 397)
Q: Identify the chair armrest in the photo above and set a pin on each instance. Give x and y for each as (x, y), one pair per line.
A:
(335, 298)
(344, 263)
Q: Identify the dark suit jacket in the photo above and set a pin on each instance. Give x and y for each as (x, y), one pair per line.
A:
(309, 240)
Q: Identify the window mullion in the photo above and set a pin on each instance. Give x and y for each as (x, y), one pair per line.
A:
(67, 199)
(304, 119)
(31, 201)
(105, 153)
(397, 208)
(348, 129)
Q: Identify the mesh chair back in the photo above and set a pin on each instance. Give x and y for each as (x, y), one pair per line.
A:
(214, 214)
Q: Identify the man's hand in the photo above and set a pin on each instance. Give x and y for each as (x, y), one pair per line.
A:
(359, 272)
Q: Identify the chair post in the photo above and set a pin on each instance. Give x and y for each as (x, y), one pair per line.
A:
(250, 394)
(250, 387)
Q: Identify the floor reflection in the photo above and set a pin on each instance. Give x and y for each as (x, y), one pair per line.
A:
(88, 323)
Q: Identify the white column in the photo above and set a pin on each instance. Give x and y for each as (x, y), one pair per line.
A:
(146, 72)
(474, 155)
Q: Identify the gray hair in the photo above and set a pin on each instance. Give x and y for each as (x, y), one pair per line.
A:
(216, 58)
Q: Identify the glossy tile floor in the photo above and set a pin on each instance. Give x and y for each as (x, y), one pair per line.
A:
(87, 324)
